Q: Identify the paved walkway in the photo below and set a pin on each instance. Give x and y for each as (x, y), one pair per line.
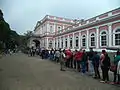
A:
(20, 72)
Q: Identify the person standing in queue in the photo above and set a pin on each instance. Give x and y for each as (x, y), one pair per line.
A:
(118, 72)
(105, 65)
(84, 61)
(74, 58)
(78, 58)
(115, 64)
(62, 60)
(96, 60)
(90, 61)
(68, 57)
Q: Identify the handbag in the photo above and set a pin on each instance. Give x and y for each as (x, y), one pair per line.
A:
(113, 67)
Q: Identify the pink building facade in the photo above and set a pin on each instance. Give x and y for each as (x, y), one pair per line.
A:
(100, 32)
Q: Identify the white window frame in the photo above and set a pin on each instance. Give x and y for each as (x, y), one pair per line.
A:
(59, 30)
(91, 37)
(106, 38)
(114, 32)
(85, 40)
(62, 42)
(50, 42)
(55, 43)
(66, 39)
(51, 29)
(77, 38)
(71, 39)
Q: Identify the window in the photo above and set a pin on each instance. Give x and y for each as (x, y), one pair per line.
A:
(55, 43)
(66, 42)
(61, 42)
(83, 40)
(51, 29)
(76, 41)
(117, 37)
(103, 38)
(59, 29)
(50, 44)
(92, 39)
(71, 42)
(58, 43)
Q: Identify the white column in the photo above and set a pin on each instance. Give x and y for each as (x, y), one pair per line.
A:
(68, 41)
(53, 43)
(87, 40)
(47, 43)
(54, 27)
(73, 41)
(56, 43)
(63, 42)
(47, 27)
(60, 42)
(79, 38)
(97, 37)
(109, 35)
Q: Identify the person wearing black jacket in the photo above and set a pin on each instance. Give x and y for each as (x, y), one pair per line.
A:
(105, 65)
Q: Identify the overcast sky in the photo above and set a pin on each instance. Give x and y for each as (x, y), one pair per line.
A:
(22, 15)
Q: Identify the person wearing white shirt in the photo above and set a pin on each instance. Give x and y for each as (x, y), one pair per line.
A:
(118, 72)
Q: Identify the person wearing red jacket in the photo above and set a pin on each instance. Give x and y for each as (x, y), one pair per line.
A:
(78, 57)
(68, 57)
(74, 58)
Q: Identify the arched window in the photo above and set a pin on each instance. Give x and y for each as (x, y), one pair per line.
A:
(83, 40)
(59, 29)
(61, 42)
(51, 29)
(50, 44)
(66, 42)
(92, 39)
(103, 38)
(117, 37)
(58, 43)
(55, 43)
(71, 42)
(76, 41)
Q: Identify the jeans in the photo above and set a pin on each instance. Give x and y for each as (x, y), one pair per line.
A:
(83, 67)
(57, 59)
(67, 63)
(90, 67)
(71, 63)
(52, 57)
(96, 69)
(75, 64)
(105, 73)
(78, 65)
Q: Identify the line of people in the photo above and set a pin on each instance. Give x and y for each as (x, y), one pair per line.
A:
(89, 62)
(86, 62)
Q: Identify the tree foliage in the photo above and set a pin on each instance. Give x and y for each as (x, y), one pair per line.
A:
(8, 37)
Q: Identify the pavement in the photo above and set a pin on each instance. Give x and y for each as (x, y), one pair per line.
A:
(20, 72)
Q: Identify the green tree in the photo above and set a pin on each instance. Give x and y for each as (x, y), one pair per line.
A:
(8, 37)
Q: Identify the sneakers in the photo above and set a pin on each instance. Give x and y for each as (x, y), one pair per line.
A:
(102, 81)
